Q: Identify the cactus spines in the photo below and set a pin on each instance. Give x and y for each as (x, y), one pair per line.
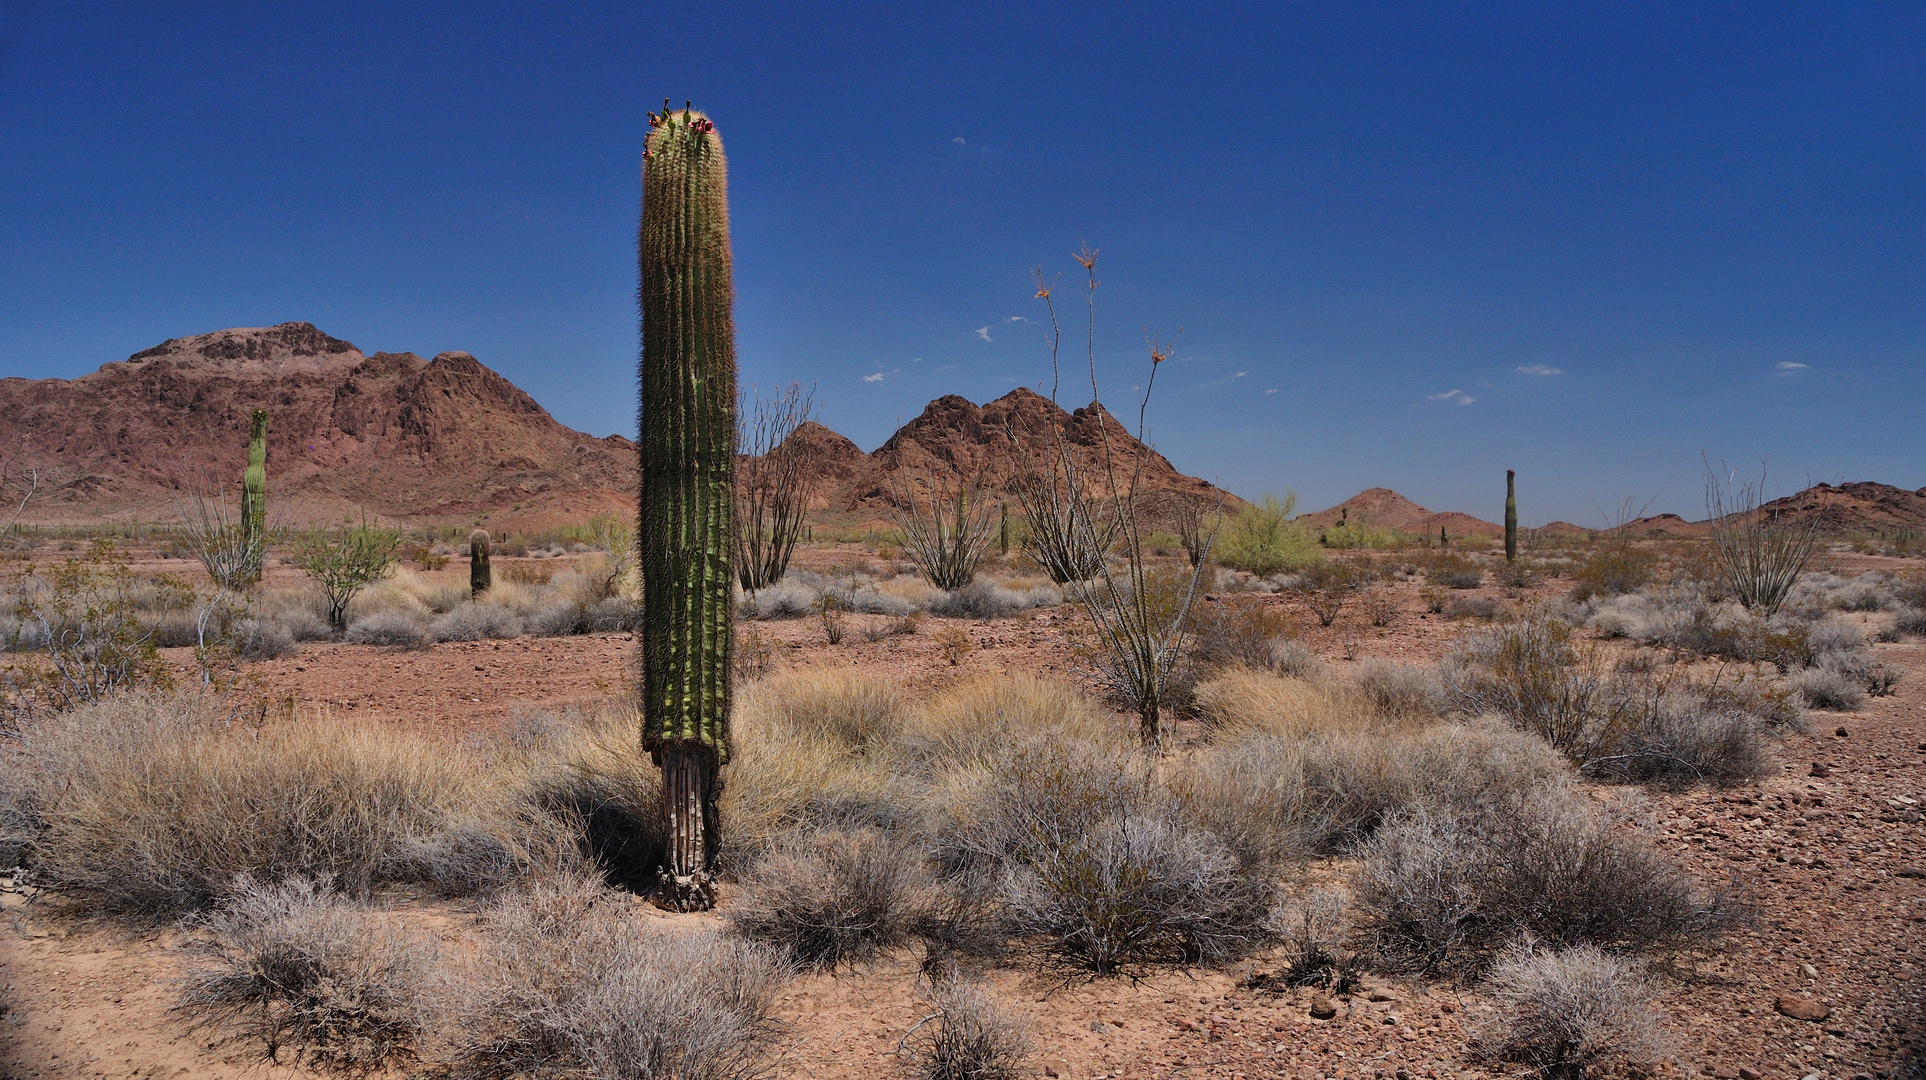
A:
(481, 577)
(1511, 515)
(254, 495)
(687, 447)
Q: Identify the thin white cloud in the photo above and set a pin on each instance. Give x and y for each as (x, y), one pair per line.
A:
(1787, 367)
(878, 377)
(983, 332)
(959, 141)
(1016, 318)
(1540, 369)
(1272, 390)
(1453, 396)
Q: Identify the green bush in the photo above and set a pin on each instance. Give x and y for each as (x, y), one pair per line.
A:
(1613, 570)
(1266, 537)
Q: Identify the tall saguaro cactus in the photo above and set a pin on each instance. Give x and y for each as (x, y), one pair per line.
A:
(688, 452)
(1511, 515)
(254, 496)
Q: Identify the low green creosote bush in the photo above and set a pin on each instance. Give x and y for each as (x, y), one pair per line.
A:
(1265, 537)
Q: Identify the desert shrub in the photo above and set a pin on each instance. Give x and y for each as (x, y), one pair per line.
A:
(1448, 887)
(570, 980)
(301, 613)
(1236, 630)
(1473, 607)
(1910, 592)
(345, 560)
(1264, 537)
(967, 1036)
(1401, 690)
(834, 897)
(262, 639)
(1314, 932)
(87, 615)
(1911, 623)
(1326, 586)
(785, 599)
(1089, 854)
(391, 628)
(296, 965)
(1625, 726)
(1449, 571)
(985, 599)
(855, 710)
(1381, 605)
(475, 622)
(588, 770)
(153, 804)
(1567, 1011)
(1613, 569)
(1828, 688)
(1137, 887)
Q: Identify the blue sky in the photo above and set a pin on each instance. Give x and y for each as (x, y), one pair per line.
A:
(1408, 245)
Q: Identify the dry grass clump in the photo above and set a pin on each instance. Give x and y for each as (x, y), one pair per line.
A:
(1569, 1011)
(1242, 700)
(297, 965)
(1448, 886)
(152, 804)
(569, 981)
(1612, 569)
(979, 719)
(968, 1036)
(1401, 691)
(587, 774)
(856, 710)
(831, 898)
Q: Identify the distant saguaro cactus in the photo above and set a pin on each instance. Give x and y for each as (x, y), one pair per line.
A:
(1003, 529)
(687, 446)
(481, 576)
(1511, 515)
(254, 495)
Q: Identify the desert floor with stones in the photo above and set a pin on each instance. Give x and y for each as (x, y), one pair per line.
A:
(1824, 978)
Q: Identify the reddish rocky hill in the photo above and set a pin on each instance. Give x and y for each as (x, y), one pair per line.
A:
(391, 434)
(1001, 443)
(1383, 508)
(1859, 507)
(442, 441)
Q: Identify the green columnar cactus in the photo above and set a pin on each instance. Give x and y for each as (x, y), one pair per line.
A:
(254, 496)
(1003, 529)
(481, 576)
(1511, 516)
(688, 455)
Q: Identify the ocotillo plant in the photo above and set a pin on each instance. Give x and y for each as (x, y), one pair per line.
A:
(1511, 515)
(481, 576)
(254, 495)
(688, 456)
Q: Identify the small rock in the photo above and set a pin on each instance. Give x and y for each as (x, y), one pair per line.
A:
(1842, 733)
(1747, 1072)
(1912, 871)
(1800, 1008)
(1323, 1008)
(1381, 995)
(1820, 768)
